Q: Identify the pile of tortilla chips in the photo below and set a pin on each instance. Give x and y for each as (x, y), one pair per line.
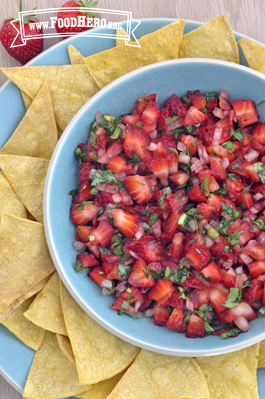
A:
(75, 355)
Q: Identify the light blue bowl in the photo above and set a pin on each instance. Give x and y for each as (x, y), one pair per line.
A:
(164, 79)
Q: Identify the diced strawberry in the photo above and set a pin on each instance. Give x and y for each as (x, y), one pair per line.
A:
(161, 315)
(195, 327)
(258, 133)
(98, 275)
(256, 268)
(84, 172)
(171, 223)
(161, 291)
(176, 248)
(83, 193)
(82, 233)
(176, 105)
(136, 140)
(192, 117)
(83, 213)
(132, 119)
(257, 252)
(126, 199)
(212, 272)
(139, 187)
(148, 128)
(190, 141)
(217, 168)
(251, 173)
(142, 251)
(117, 164)
(205, 209)
(243, 309)
(212, 183)
(196, 194)
(218, 299)
(198, 257)
(159, 167)
(192, 282)
(87, 260)
(102, 234)
(210, 105)
(142, 103)
(176, 321)
(255, 291)
(125, 222)
(217, 150)
(113, 149)
(246, 112)
(197, 99)
(151, 113)
(176, 301)
(224, 104)
(131, 294)
(166, 113)
(86, 153)
(102, 140)
(229, 278)
(140, 276)
(215, 200)
(199, 298)
(177, 201)
(179, 178)
(93, 248)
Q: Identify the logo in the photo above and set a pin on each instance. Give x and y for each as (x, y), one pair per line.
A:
(107, 22)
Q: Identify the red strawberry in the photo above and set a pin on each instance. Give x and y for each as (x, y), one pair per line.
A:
(246, 112)
(195, 327)
(166, 113)
(83, 213)
(142, 251)
(161, 315)
(139, 187)
(197, 99)
(176, 321)
(243, 309)
(179, 178)
(83, 193)
(86, 153)
(205, 209)
(176, 105)
(136, 140)
(171, 223)
(198, 257)
(218, 299)
(229, 278)
(65, 14)
(112, 150)
(131, 294)
(83, 232)
(190, 142)
(172, 161)
(196, 194)
(98, 275)
(142, 103)
(159, 167)
(84, 172)
(212, 272)
(257, 252)
(176, 248)
(212, 183)
(32, 48)
(247, 200)
(199, 298)
(217, 168)
(140, 276)
(151, 114)
(162, 290)
(133, 119)
(255, 291)
(193, 116)
(258, 133)
(256, 268)
(117, 164)
(102, 234)
(125, 222)
(176, 301)
(87, 260)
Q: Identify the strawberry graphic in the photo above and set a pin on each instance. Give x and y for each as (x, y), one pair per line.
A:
(8, 33)
(65, 13)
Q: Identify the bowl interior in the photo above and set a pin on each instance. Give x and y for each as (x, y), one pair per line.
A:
(118, 98)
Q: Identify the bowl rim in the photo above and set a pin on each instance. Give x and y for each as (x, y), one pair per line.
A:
(47, 222)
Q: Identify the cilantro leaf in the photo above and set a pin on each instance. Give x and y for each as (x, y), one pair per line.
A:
(73, 193)
(184, 263)
(153, 218)
(174, 150)
(135, 316)
(233, 298)
(124, 271)
(260, 169)
(202, 311)
(178, 276)
(231, 176)
(166, 191)
(236, 165)
(103, 176)
(228, 145)
(260, 224)
(237, 134)
(234, 238)
(78, 266)
(262, 311)
(230, 333)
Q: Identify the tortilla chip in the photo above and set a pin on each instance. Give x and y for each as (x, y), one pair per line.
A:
(27, 100)
(52, 375)
(102, 389)
(119, 41)
(71, 86)
(232, 375)
(9, 202)
(36, 135)
(75, 56)
(157, 376)
(255, 55)
(99, 355)
(14, 305)
(66, 347)
(24, 257)
(46, 310)
(215, 40)
(162, 45)
(27, 176)
(261, 361)
(22, 328)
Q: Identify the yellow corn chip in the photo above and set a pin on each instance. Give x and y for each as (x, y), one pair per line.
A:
(75, 56)
(102, 389)
(232, 375)
(215, 39)
(99, 355)
(14, 305)
(161, 45)
(27, 100)
(119, 41)
(157, 376)
(66, 347)
(24, 257)
(36, 135)
(22, 328)
(51, 375)
(9, 202)
(255, 54)
(261, 361)
(46, 309)
(27, 176)
(71, 86)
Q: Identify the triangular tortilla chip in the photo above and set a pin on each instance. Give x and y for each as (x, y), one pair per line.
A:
(27, 100)
(232, 375)
(22, 328)
(102, 389)
(46, 309)
(36, 135)
(9, 202)
(157, 376)
(66, 347)
(71, 86)
(52, 375)
(255, 54)
(75, 56)
(24, 257)
(123, 33)
(14, 305)
(99, 355)
(27, 176)
(261, 361)
(162, 45)
(215, 39)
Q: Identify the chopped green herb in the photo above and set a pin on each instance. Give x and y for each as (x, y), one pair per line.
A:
(103, 176)
(260, 169)
(135, 316)
(73, 193)
(228, 145)
(124, 271)
(237, 134)
(174, 150)
(166, 191)
(236, 165)
(259, 223)
(230, 333)
(234, 238)
(152, 219)
(233, 298)
(80, 206)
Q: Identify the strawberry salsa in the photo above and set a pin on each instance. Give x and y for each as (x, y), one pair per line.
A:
(170, 212)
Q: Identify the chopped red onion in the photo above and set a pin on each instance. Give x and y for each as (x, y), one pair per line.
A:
(246, 259)
(254, 210)
(225, 215)
(261, 238)
(204, 222)
(193, 160)
(242, 323)
(138, 235)
(225, 162)
(138, 303)
(152, 147)
(217, 136)
(153, 134)
(106, 284)
(181, 146)
(184, 158)
(196, 165)
(251, 156)
(108, 188)
(228, 263)
(105, 292)
(78, 246)
(120, 287)
(252, 243)
(119, 176)
(190, 305)
(116, 198)
(193, 225)
(258, 196)
(92, 139)
(101, 153)
(149, 312)
(239, 270)
(218, 113)
(195, 182)
(240, 279)
(224, 93)
(208, 242)
(134, 254)
(99, 117)
(121, 126)
(204, 157)
(199, 169)
(214, 224)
